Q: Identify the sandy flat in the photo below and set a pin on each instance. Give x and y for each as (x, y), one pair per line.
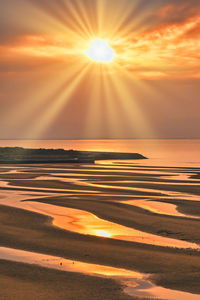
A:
(102, 194)
(32, 282)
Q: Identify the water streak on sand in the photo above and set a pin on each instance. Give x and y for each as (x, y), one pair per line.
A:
(159, 208)
(136, 284)
(79, 182)
(156, 207)
(83, 222)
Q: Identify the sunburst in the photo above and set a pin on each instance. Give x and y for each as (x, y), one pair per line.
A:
(90, 47)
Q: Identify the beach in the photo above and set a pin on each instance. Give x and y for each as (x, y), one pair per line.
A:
(99, 150)
(119, 229)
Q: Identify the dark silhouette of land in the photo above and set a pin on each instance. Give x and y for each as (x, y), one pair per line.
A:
(15, 155)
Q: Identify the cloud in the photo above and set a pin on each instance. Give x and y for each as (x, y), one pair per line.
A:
(26, 53)
(171, 49)
(177, 10)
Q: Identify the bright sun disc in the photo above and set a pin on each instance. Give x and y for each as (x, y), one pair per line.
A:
(100, 51)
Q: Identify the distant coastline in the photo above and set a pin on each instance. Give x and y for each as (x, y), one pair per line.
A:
(19, 155)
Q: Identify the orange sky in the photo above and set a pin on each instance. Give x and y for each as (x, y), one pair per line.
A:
(50, 89)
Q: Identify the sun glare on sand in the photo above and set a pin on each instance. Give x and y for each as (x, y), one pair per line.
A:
(103, 233)
(100, 51)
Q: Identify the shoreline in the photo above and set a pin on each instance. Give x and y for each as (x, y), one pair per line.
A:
(172, 268)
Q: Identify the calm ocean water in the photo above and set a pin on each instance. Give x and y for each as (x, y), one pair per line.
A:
(159, 152)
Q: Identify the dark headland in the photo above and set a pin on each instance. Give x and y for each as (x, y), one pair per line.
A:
(18, 155)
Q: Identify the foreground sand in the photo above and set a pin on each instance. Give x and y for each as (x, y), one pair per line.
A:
(33, 232)
(170, 267)
(21, 281)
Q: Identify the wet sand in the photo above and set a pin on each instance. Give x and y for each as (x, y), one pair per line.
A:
(46, 208)
(26, 281)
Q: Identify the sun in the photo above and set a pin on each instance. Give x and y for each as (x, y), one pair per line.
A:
(100, 51)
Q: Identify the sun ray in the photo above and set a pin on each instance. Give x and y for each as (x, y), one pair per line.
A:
(76, 15)
(87, 12)
(133, 21)
(100, 12)
(49, 19)
(61, 99)
(116, 29)
(93, 123)
(32, 104)
(136, 120)
(114, 116)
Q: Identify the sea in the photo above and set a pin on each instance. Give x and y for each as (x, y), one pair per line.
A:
(166, 153)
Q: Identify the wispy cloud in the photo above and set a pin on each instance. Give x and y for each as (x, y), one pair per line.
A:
(169, 49)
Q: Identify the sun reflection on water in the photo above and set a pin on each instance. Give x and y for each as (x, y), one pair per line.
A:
(103, 233)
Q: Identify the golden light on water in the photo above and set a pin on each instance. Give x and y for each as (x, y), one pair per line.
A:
(103, 233)
(100, 51)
